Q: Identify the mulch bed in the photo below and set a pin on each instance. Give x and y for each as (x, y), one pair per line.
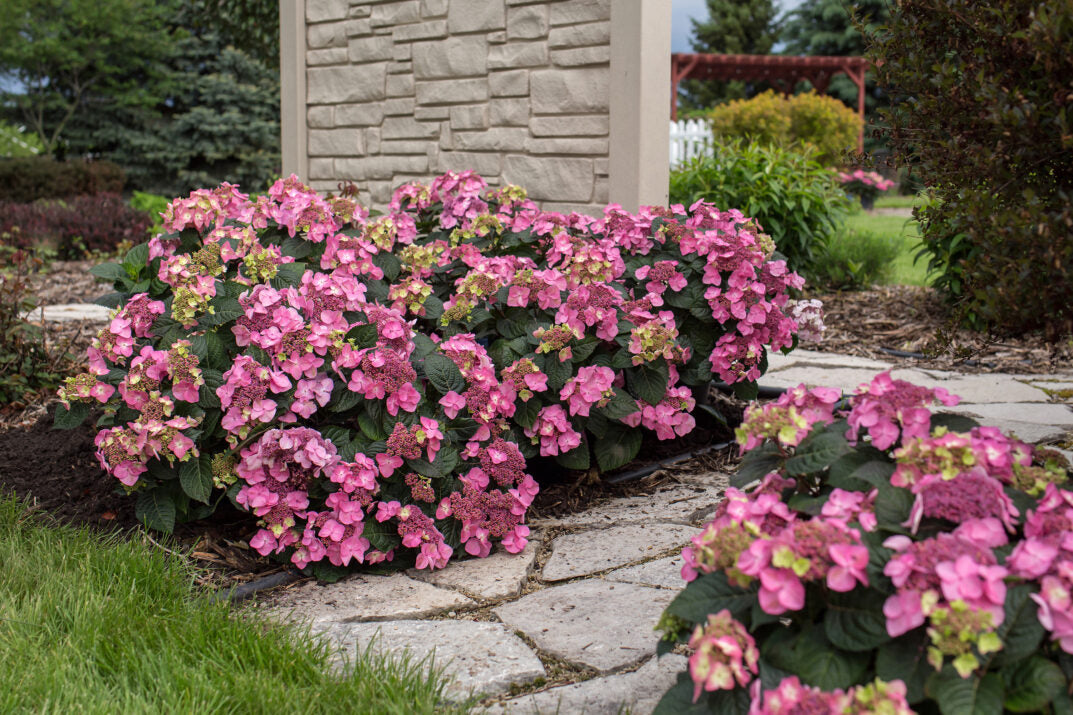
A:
(914, 319)
(59, 473)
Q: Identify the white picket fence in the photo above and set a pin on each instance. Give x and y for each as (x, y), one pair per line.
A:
(689, 138)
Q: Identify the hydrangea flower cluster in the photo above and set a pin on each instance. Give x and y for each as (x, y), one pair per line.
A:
(864, 183)
(931, 535)
(324, 366)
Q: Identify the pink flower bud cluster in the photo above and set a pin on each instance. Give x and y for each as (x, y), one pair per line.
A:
(789, 419)
(724, 655)
(671, 416)
(886, 408)
(791, 697)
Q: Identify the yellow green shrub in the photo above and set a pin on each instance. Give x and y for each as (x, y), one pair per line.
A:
(825, 123)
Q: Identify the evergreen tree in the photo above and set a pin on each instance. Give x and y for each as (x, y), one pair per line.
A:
(733, 27)
(826, 27)
(216, 118)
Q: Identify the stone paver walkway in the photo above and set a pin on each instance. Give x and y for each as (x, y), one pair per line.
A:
(567, 626)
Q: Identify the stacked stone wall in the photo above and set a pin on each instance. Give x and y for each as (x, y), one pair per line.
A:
(515, 89)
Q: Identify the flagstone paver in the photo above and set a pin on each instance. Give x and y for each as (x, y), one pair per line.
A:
(501, 575)
(617, 554)
(588, 552)
(71, 311)
(481, 657)
(367, 598)
(661, 573)
(592, 622)
(638, 692)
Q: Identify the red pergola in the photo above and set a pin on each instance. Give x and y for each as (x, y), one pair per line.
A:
(782, 71)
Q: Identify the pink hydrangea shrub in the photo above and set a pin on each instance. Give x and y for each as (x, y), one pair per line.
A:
(898, 546)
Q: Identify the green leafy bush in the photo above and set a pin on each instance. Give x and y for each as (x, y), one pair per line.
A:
(27, 179)
(852, 260)
(871, 556)
(152, 204)
(796, 201)
(28, 365)
(824, 123)
(981, 111)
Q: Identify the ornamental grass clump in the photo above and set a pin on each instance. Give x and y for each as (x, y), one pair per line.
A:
(878, 556)
(369, 387)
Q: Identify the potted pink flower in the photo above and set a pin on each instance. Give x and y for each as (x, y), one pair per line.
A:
(865, 185)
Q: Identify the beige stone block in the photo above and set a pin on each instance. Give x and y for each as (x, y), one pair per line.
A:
(581, 56)
(475, 15)
(370, 49)
(602, 190)
(381, 191)
(567, 145)
(575, 11)
(464, 91)
(453, 57)
(358, 115)
(485, 164)
(402, 52)
(512, 83)
(403, 66)
(330, 56)
(433, 8)
(325, 10)
(336, 142)
(381, 167)
(474, 117)
(527, 22)
(497, 38)
(518, 54)
(372, 140)
(508, 112)
(357, 28)
(404, 146)
(360, 9)
(602, 167)
(551, 178)
(430, 30)
(494, 139)
(399, 106)
(321, 169)
(328, 35)
(324, 185)
(395, 13)
(400, 85)
(334, 85)
(319, 117)
(570, 126)
(437, 113)
(592, 33)
(408, 128)
(563, 91)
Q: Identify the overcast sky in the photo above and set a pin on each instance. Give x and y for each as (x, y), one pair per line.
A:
(682, 10)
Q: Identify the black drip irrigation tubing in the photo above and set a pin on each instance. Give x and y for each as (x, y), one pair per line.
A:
(245, 590)
(650, 468)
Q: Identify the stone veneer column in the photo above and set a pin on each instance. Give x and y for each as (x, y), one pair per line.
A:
(519, 90)
(640, 86)
(292, 87)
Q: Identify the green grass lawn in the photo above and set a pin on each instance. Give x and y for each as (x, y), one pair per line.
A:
(107, 625)
(894, 201)
(905, 272)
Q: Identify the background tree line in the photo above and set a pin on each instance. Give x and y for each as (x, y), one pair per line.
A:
(180, 93)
